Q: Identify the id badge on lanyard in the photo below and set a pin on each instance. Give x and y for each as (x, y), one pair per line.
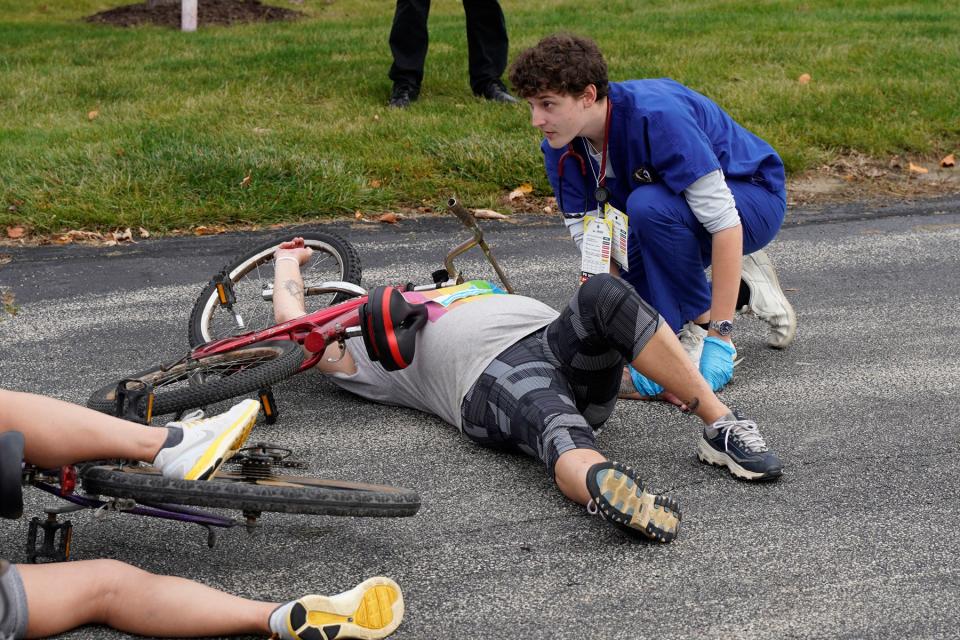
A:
(605, 235)
(619, 227)
(596, 247)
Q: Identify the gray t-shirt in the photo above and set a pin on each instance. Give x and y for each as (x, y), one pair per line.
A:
(453, 349)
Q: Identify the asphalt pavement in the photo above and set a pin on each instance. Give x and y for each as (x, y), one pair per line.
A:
(860, 538)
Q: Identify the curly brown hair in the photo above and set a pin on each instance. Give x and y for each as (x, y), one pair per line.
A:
(563, 63)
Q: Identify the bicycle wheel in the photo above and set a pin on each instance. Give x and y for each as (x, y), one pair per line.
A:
(194, 383)
(281, 494)
(334, 259)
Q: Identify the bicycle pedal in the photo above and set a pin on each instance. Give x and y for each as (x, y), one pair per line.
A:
(269, 405)
(134, 403)
(226, 295)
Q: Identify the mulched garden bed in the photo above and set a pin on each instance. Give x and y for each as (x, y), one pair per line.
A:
(222, 12)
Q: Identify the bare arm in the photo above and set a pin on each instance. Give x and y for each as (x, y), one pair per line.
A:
(727, 262)
(288, 301)
(287, 283)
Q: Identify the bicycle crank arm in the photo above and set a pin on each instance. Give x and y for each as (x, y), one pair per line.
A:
(326, 287)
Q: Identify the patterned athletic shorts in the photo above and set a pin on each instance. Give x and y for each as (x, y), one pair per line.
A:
(545, 394)
(13, 603)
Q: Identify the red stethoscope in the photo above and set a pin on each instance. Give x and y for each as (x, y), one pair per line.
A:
(601, 194)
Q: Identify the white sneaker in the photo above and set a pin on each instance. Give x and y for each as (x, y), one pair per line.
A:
(373, 609)
(207, 442)
(767, 300)
(691, 337)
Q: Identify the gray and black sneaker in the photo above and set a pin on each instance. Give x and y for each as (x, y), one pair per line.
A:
(736, 444)
(618, 495)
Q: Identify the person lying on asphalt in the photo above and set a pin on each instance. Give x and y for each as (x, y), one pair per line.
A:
(512, 373)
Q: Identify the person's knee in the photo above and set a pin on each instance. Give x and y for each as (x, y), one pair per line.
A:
(107, 580)
(602, 293)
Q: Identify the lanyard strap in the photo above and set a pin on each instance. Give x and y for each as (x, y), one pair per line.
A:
(606, 141)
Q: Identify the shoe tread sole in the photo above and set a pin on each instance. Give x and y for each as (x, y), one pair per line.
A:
(371, 610)
(623, 501)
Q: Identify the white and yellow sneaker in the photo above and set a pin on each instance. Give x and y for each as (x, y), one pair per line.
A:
(207, 442)
(372, 609)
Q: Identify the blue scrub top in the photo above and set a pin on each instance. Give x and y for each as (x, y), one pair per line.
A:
(662, 131)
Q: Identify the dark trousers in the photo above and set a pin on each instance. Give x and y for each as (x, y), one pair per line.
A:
(486, 42)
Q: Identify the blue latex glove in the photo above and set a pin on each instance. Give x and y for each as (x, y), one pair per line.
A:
(644, 385)
(716, 363)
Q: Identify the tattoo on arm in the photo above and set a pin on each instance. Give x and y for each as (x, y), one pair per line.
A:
(295, 289)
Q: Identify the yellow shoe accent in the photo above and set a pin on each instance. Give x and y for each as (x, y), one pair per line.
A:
(227, 443)
(372, 609)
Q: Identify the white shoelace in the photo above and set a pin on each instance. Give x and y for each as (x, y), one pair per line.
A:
(746, 431)
(592, 507)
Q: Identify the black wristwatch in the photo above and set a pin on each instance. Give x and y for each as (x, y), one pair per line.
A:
(723, 327)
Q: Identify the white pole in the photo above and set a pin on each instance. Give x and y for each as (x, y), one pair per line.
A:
(188, 15)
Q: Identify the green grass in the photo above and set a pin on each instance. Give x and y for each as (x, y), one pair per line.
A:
(300, 107)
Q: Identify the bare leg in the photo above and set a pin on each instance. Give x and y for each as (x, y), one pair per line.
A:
(570, 472)
(664, 361)
(58, 433)
(64, 596)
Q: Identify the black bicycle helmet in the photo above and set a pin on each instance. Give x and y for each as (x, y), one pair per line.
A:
(389, 325)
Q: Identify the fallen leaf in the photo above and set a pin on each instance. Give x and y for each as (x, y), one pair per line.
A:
(376, 116)
(357, 215)
(90, 236)
(122, 236)
(375, 184)
(520, 191)
(15, 232)
(389, 218)
(144, 233)
(5, 258)
(948, 161)
(62, 238)
(548, 209)
(93, 115)
(804, 78)
(246, 180)
(203, 230)
(487, 214)
(915, 168)
(8, 301)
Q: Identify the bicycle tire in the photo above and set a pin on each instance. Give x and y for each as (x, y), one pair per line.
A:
(334, 259)
(192, 383)
(281, 494)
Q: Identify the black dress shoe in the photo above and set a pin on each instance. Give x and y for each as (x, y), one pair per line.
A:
(402, 95)
(496, 92)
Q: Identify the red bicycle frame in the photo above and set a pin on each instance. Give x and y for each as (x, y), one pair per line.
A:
(315, 331)
(337, 323)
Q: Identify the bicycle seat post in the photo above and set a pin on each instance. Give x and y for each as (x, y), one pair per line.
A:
(471, 223)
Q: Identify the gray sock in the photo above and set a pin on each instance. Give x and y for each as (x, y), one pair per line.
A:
(711, 431)
(174, 437)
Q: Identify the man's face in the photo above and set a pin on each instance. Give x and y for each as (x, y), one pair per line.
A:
(560, 117)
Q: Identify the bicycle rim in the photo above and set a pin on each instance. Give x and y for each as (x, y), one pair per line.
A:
(334, 259)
